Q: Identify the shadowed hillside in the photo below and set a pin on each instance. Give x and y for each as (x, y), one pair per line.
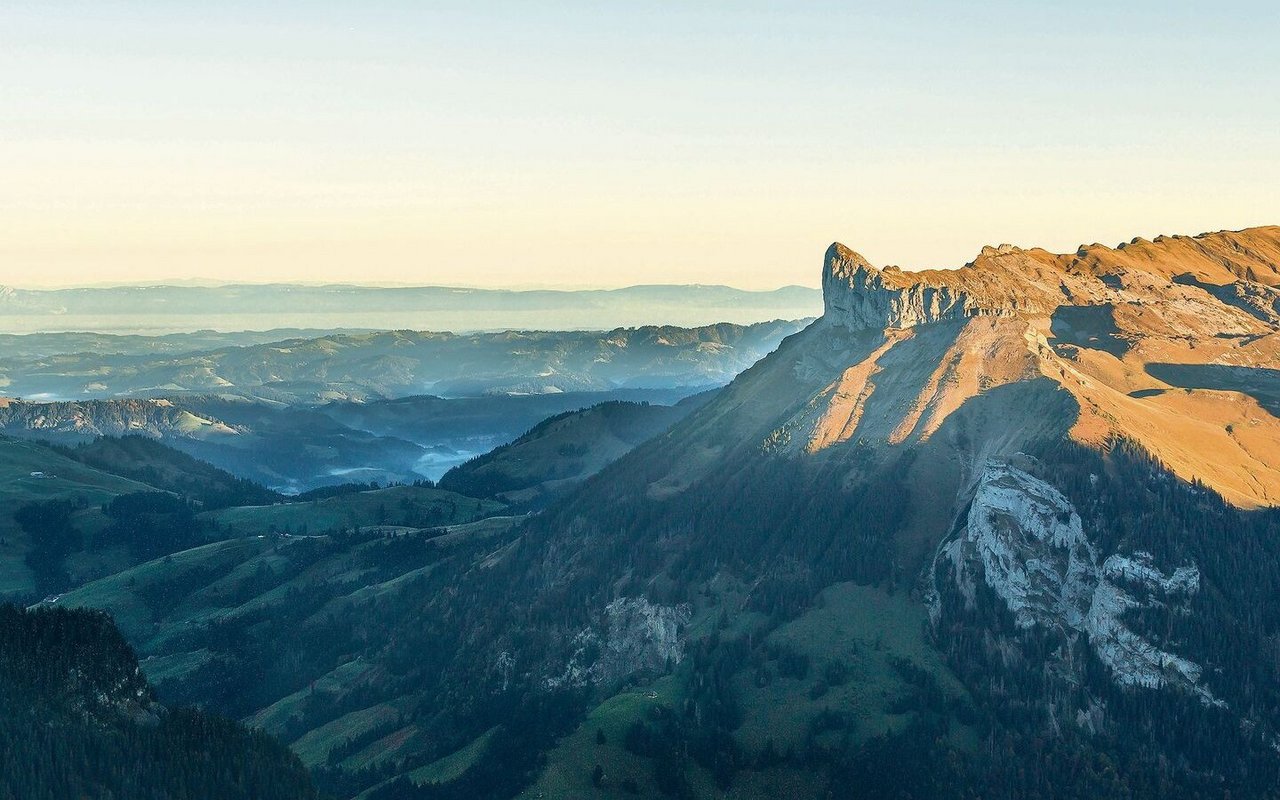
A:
(564, 450)
(81, 721)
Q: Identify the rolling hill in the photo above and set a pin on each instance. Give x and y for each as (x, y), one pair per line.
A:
(320, 639)
(149, 461)
(400, 506)
(562, 451)
(32, 472)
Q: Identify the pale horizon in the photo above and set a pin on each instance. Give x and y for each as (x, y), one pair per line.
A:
(603, 146)
(815, 284)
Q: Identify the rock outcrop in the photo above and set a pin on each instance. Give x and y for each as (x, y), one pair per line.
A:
(633, 636)
(858, 295)
(1172, 343)
(1239, 269)
(1023, 542)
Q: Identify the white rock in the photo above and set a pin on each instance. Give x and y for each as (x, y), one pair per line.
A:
(1024, 541)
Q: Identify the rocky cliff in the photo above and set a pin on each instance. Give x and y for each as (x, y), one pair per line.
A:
(1173, 343)
(858, 295)
(1238, 269)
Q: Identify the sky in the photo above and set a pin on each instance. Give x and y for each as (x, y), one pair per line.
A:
(565, 144)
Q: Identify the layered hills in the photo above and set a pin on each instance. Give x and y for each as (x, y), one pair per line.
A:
(560, 452)
(361, 366)
(299, 448)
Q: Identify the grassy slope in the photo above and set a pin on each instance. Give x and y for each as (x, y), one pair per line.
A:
(255, 574)
(122, 594)
(562, 451)
(64, 479)
(863, 627)
(411, 506)
(153, 462)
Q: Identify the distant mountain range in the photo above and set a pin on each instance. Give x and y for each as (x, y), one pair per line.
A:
(301, 413)
(295, 448)
(43, 345)
(362, 366)
(158, 309)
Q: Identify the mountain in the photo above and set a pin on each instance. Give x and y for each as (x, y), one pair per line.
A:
(297, 449)
(290, 449)
(88, 419)
(389, 364)
(1005, 531)
(963, 534)
(169, 309)
(81, 721)
(155, 464)
(1064, 466)
(562, 451)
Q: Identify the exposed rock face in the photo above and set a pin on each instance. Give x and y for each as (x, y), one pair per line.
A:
(1240, 269)
(1172, 343)
(1130, 583)
(151, 417)
(634, 636)
(857, 295)
(641, 637)
(1023, 541)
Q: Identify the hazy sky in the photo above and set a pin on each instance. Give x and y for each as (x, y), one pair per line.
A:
(606, 143)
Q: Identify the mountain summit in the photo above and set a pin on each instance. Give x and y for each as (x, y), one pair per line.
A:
(1171, 343)
(1008, 281)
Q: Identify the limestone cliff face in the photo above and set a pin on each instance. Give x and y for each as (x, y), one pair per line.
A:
(1229, 273)
(1025, 543)
(1173, 344)
(858, 295)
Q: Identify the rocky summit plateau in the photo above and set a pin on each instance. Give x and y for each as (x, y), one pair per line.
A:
(1171, 343)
